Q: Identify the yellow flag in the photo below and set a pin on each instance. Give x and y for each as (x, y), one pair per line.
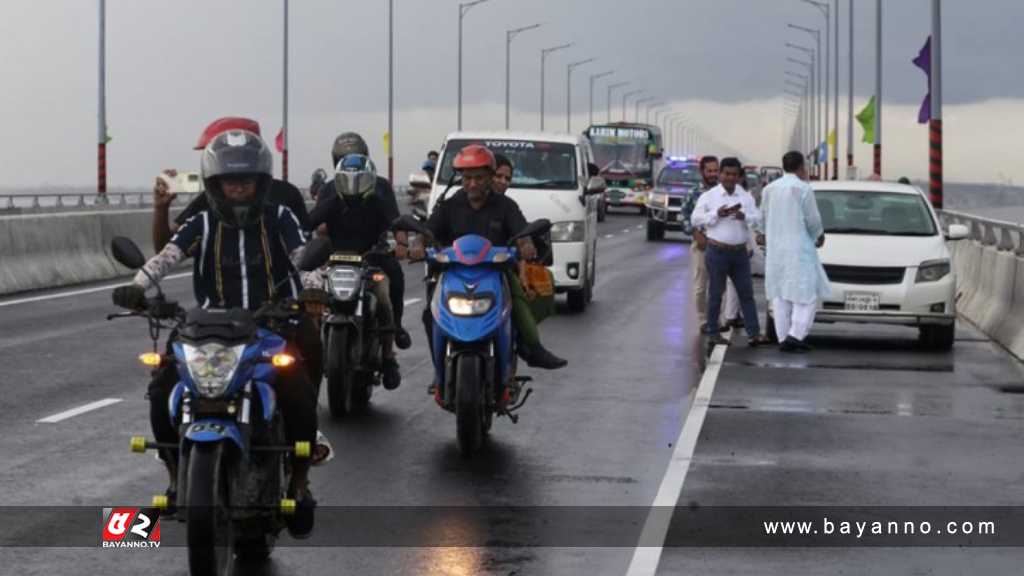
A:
(387, 143)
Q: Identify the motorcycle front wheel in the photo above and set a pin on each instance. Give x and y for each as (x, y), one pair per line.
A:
(210, 535)
(469, 404)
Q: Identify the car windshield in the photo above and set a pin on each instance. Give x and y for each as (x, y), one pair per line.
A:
(874, 213)
(687, 176)
(621, 150)
(546, 165)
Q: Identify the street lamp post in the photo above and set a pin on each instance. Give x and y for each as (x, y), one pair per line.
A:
(636, 106)
(817, 39)
(101, 128)
(651, 106)
(826, 11)
(463, 9)
(812, 68)
(625, 97)
(509, 35)
(284, 121)
(594, 77)
(610, 88)
(543, 58)
(568, 91)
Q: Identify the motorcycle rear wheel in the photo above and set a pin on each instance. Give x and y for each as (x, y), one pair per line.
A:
(340, 377)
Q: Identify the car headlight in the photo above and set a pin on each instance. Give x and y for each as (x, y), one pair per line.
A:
(567, 231)
(658, 199)
(469, 306)
(212, 366)
(932, 270)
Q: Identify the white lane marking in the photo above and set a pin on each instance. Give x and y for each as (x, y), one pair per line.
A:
(80, 410)
(412, 301)
(609, 235)
(646, 558)
(79, 292)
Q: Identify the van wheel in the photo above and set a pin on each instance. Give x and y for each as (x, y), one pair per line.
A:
(938, 337)
(577, 300)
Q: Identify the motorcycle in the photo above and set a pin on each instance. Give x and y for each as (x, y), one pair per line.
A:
(232, 468)
(352, 330)
(419, 195)
(474, 340)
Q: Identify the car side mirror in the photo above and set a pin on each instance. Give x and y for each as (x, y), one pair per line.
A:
(419, 180)
(316, 254)
(593, 170)
(596, 185)
(127, 253)
(957, 232)
(535, 228)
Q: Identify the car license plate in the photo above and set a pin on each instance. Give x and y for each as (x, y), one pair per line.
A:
(861, 301)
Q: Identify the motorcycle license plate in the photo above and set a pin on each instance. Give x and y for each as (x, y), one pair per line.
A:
(861, 301)
(350, 258)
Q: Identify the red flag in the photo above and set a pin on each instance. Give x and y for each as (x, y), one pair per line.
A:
(279, 141)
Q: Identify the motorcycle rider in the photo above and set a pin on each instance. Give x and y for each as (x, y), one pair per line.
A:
(281, 192)
(243, 244)
(475, 209)
(358, 217)
(351, 143)
(430, 164)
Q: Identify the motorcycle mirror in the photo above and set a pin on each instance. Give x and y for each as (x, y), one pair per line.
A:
(407, 223)
(419, 180)
(127, 253)
(535, 228)
(317, 251)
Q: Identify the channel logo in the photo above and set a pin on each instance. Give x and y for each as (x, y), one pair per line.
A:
(131, 528)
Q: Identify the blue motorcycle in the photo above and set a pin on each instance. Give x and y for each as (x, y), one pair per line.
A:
(232, 468)
(474, 341)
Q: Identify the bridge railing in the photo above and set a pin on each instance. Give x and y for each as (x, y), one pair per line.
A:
(1002, 235)
(69, 202)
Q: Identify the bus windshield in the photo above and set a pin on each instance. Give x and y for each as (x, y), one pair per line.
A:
(622, 150)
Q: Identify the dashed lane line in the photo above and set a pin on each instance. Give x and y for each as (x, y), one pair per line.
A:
(53, 419)
(79, 292)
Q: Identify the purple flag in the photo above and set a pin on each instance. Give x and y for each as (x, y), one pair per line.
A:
(924, 62)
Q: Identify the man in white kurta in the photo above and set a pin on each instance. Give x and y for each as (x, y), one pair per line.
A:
(794, 276)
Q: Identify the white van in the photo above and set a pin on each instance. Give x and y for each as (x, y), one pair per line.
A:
(552, 179)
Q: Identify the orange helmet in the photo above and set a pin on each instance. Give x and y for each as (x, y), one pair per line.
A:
(474, 156)
(215, 128)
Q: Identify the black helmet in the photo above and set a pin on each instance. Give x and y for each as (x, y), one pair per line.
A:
(241, 154)
(348, 143)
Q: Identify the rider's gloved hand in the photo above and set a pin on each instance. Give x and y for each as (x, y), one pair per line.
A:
(131, 297)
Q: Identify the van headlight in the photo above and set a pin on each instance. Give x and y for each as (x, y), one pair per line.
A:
(932, 270)
(462, 305)
(567, 231)
(212, 366)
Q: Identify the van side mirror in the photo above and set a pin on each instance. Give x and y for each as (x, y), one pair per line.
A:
(596, 185)
(593, 170)
(957, 232)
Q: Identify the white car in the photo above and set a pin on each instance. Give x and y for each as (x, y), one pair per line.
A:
(554, 179)
(886, 258)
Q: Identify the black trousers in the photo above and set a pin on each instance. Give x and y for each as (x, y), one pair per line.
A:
(296, 392)
(396, 285)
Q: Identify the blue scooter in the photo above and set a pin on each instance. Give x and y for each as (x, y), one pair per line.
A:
(473, 340)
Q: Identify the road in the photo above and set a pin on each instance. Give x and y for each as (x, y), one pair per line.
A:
(861, 421)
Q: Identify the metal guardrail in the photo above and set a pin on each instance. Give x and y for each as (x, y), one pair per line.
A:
(59, 202)
(1003, 236)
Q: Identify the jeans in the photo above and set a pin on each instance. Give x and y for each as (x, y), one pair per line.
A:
(734, 265)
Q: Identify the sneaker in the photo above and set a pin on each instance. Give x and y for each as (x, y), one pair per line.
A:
(323, 452)
(392, 374)
(300, 524)
(791, 344)
(756, 341)
(542, 358)
(402, 339)
(735, 322)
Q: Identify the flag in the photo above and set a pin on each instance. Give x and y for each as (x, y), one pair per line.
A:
(387, 144)
(279, 141)
(832, 140)
(106, 135)
(924, 62)
(866, 117)
(823, 153)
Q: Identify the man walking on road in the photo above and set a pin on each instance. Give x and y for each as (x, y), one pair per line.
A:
(725, 212)
(794, 276)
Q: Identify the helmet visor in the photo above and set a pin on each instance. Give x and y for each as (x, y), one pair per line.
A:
(355, 175)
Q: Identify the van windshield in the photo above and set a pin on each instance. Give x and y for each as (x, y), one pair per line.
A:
(541, 165)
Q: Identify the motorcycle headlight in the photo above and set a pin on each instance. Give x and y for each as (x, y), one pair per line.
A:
(567, 231)
(212, 366)
(343, 282)
(932, 270)
(467, 306)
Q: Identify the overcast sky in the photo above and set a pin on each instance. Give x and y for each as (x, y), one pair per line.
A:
(173, 66)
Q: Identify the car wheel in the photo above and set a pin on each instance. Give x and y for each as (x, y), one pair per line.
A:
(602, 212)
(938, 337)
(655, 231)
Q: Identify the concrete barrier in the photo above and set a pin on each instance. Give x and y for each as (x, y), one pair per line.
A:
(54, 250)
(1001, 280)
(968, 281)
(1011, 332)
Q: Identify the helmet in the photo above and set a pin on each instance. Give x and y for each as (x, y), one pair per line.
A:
(348, 143)
(355, 175)
(317, 182)
(223, 125)
(474, 156)
(242, 154)
(429, 166)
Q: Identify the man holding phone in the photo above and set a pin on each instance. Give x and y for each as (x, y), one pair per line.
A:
(726, 212)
